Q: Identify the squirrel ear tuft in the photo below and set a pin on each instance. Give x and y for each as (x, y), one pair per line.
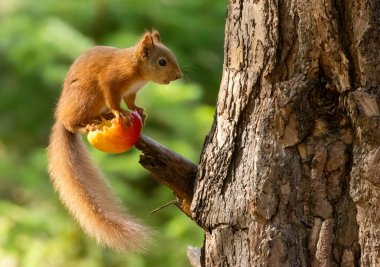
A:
(146, 44)
(156, 36)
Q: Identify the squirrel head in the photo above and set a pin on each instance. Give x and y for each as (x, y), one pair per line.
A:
(158, 63)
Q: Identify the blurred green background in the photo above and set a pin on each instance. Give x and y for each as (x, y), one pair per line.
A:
(38, 42)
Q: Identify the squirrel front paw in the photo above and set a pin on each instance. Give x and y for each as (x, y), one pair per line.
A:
(125, 115)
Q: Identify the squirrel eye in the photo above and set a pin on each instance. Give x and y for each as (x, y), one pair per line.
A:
(162, 62)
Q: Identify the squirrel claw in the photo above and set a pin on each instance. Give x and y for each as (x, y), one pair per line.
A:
(141, 112)
(125, 115)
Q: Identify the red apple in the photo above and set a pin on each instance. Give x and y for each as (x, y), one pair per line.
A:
(114, 136)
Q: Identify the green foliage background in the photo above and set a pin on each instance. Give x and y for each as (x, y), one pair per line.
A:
(38, 42)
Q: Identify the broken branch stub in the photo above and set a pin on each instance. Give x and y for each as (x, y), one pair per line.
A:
(169, 168)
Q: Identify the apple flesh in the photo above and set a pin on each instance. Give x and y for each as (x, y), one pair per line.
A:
(114, 136)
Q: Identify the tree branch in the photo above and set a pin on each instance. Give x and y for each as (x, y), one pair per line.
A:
(169, 168)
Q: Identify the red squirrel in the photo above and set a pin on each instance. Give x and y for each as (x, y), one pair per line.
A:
(95, 84)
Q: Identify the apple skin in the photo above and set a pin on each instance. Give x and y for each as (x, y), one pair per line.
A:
(115, 136)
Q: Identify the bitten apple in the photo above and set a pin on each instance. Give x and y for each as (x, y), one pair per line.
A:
(114, 136)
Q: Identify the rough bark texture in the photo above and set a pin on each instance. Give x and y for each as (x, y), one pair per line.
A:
(290, 171)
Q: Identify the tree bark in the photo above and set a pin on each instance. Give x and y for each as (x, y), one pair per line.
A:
(290, 171)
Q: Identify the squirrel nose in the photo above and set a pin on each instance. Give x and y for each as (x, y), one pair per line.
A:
(178, 75)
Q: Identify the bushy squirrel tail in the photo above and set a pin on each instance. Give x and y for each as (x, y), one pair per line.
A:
(84, 192)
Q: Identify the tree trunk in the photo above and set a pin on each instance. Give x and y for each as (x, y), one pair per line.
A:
(290, 171)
